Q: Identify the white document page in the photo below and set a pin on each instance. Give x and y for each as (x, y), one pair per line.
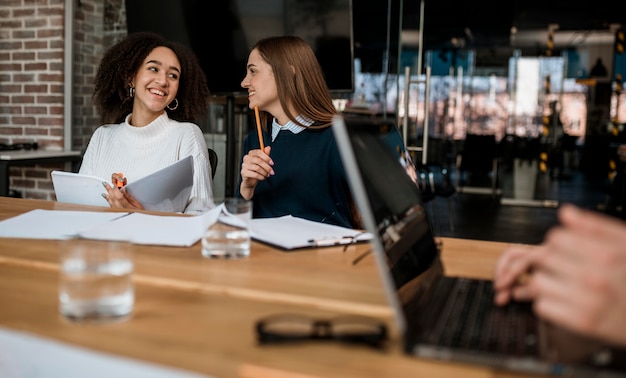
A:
(139, 228)
(167, 189)
(79, 189)
(290, 232)
(53, 224)
(23, 355)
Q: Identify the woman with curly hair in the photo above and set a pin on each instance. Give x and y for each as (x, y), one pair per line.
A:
(149, 92)
(299, 172)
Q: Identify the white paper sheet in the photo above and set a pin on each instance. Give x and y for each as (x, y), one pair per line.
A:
(53, 224)
(290, 232)
(136, 228)
(23, 355)
(139, 228)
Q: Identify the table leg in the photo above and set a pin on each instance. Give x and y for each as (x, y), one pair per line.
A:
(5, 179)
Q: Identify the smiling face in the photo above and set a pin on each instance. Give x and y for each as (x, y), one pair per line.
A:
(156, 85)
(261, 85)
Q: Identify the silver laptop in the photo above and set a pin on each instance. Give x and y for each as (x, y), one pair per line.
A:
(443, 317)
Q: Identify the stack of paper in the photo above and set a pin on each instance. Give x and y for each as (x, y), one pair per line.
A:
(137, 228)
(285, 232)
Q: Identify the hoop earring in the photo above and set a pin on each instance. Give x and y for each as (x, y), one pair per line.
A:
(175, 106)
(131, 92)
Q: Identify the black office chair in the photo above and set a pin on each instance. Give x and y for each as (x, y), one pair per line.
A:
(213, 159)
(478, 161)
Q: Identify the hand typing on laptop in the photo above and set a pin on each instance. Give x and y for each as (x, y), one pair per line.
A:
(576, 277)
(454, 318)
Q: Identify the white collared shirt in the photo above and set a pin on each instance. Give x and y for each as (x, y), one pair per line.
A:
(291, 126)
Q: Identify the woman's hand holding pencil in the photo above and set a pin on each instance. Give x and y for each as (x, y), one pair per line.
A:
(256, 165)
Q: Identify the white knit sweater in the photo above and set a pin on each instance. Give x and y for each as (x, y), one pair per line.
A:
(139, 151)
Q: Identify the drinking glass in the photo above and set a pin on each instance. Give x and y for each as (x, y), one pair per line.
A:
(95, 282)
(230, 236)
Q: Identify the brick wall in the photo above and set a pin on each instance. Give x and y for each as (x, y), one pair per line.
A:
(31, 83)
(32, 78)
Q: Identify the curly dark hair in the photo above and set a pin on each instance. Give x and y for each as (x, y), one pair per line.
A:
(121, 62)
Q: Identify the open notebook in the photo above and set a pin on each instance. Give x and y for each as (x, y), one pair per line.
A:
(443, 317)
(167, 189)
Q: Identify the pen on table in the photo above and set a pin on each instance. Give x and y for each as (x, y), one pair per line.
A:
(258, 128)
(327, 242)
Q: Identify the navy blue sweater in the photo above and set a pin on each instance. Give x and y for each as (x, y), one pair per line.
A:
(309, 180)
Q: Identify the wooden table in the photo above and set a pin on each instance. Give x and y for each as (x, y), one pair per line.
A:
(198, 314)
(30, 157)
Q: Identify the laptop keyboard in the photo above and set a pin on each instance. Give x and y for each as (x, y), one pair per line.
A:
(469, 320)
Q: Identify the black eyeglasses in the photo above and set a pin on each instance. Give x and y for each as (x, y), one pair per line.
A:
(293, 328)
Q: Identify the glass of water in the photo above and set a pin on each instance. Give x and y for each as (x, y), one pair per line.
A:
(230, 236)
(95, 282)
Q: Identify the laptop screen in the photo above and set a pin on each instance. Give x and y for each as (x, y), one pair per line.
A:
(381, 177)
